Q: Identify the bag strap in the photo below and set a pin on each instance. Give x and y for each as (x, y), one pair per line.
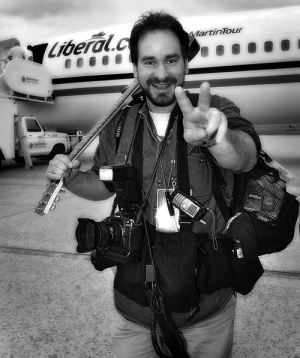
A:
(183, 173)
(219, 185)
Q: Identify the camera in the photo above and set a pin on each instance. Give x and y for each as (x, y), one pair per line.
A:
(118, 237)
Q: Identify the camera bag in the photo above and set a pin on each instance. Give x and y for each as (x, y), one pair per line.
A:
(262, 203)
(262, 219)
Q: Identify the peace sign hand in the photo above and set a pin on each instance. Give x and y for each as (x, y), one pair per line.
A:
(201, 123)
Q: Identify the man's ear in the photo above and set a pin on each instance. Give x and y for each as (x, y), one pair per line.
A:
(134, 71)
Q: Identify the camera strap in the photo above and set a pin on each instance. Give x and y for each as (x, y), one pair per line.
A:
(183, 173)
(137, 148)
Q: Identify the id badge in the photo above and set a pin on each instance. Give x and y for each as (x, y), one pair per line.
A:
(164, 221)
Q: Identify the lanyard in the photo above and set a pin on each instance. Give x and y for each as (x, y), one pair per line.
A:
(172, 174)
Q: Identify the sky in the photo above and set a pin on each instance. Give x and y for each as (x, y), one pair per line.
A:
(32, 21)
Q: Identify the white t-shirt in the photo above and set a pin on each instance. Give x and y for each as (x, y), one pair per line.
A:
(161, 122)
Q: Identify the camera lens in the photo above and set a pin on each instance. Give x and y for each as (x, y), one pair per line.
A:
(87, 235)
(111, 233)
(90, 234)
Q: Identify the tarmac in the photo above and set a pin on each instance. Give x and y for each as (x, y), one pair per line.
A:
(55, 304)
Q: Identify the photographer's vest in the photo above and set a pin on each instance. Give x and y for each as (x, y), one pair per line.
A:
(186, 283)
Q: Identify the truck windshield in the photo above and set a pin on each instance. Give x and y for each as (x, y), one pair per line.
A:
(32, 125)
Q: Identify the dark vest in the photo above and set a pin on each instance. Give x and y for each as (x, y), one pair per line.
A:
(180, 274)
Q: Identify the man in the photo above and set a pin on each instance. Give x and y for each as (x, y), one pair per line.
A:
(16, 53)
(165, 287)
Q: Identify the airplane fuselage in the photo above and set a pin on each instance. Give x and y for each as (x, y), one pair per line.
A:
(252, 58)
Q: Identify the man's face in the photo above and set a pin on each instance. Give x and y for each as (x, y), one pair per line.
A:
(160, 68)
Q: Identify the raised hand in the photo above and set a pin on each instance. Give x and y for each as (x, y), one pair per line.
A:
(201, 123)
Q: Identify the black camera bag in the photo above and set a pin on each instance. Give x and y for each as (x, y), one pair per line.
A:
(273, 220)
(261, 229)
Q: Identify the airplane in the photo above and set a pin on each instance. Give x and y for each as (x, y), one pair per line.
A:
(250, 57)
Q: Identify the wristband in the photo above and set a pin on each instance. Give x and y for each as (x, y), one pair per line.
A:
(211, 141)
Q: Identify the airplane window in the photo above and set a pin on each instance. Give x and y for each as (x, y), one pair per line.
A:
(220, 50)
(204, 51)
(285, 45)
(118, 59)
(80, 62)
(32, 125)
(93, 61)
(105, 60)
(252, 47)
(68, 63)
(268, 46)
(236, 49)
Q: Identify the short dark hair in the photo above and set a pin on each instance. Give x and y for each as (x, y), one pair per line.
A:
(151, 21)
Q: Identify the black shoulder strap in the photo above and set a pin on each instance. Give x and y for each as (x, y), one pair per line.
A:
(120, 126)
(182, 163)
(137, 150)
(183, 173)
(218, 185)
(136, 99)
(137, 141)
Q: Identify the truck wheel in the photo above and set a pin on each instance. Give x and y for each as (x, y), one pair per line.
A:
(57, 149)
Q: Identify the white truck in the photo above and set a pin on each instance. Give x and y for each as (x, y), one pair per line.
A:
(21, 135)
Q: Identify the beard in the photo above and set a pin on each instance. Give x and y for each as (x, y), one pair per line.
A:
(161, 99)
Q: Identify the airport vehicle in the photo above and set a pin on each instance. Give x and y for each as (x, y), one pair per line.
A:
(21, 136)
(250, 57)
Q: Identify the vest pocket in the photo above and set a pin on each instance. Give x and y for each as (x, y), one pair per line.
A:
(175, 256)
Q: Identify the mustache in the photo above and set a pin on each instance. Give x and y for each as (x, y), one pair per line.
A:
(156, 81)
